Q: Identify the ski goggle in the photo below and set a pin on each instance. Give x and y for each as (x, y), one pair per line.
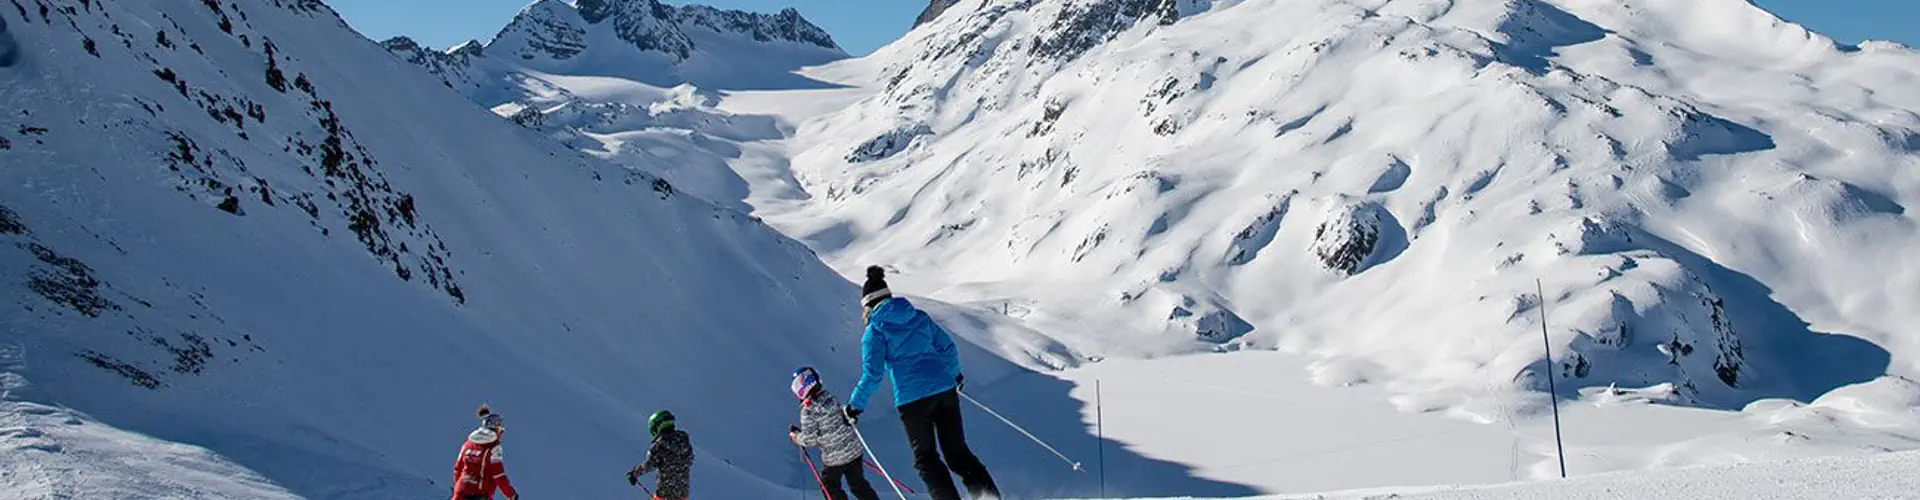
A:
(804, 380)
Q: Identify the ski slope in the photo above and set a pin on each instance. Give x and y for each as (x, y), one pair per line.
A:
(1293, 244)
(1714, 200)
(241, 237)
(244, 234)
(1260, 418)
(59, 453)
(1871, 478)
(1375, 186)
(56, 453)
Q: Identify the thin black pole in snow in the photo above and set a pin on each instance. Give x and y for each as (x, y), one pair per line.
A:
(1560, 449)
(1100, 434)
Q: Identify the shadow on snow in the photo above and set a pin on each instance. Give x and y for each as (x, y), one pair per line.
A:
(1812, 362)
(1024, 469)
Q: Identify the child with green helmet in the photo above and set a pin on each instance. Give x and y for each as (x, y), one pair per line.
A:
(671, 455)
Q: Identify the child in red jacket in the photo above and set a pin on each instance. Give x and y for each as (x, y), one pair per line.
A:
(482, 465)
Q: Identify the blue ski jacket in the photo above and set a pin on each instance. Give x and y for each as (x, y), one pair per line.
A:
(905, 342)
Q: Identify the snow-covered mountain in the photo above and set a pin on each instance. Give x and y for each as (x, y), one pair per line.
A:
(1716, 200)
(635, 81)
(933, 11)
(254, 255)
(242, 227)
(641, 40)
(1375, 183)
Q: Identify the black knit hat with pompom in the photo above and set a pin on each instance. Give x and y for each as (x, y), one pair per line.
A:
(875, 290)
(489, 419)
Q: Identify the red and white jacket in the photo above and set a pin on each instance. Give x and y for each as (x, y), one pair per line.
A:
(481, 467)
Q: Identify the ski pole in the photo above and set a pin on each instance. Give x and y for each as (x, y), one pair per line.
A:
(1043, 444)
(896, 482)
(816, 471)
(636, 482)
(883, 469)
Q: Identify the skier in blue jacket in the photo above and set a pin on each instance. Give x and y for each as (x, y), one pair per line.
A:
(925, 364)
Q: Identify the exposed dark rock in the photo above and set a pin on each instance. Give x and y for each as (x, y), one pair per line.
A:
(190, 355)
(451, 66)
(1253, 238)
(662, 187)
(555, 30)
(275, 78)
(1081, 27)
(887, 145)
(10, 222)
(69, 282)
(138, 376)
(1348, 237)
(933, 11)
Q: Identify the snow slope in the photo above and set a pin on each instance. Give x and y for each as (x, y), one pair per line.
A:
(57, 453)
(244, 228)
(1376, 184)
(241, 227)
(247, 240)
(1260, 419)
(1878, 477)
(1715, 199)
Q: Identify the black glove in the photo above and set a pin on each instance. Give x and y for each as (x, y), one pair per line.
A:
(633, 477)
(853, 415)
(960, 382)
(793, 429)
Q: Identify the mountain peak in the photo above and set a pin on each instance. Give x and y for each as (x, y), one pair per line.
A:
(467, 48)
(400, 44)
(555, 30)
(547, 29)
(787, 26)
(593, 11)
(453, 66)
(933, 11)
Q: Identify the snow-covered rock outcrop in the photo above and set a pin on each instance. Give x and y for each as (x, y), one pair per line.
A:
(1348, 238)
(553, 30)
(933, 11)
(454, 65)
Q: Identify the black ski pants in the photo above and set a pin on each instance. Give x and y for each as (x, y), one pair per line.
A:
(855, 478)
(934, 429)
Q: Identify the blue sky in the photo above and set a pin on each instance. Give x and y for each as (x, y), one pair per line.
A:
(863, 25)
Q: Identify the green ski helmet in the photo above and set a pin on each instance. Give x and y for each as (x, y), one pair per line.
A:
(659, 422)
